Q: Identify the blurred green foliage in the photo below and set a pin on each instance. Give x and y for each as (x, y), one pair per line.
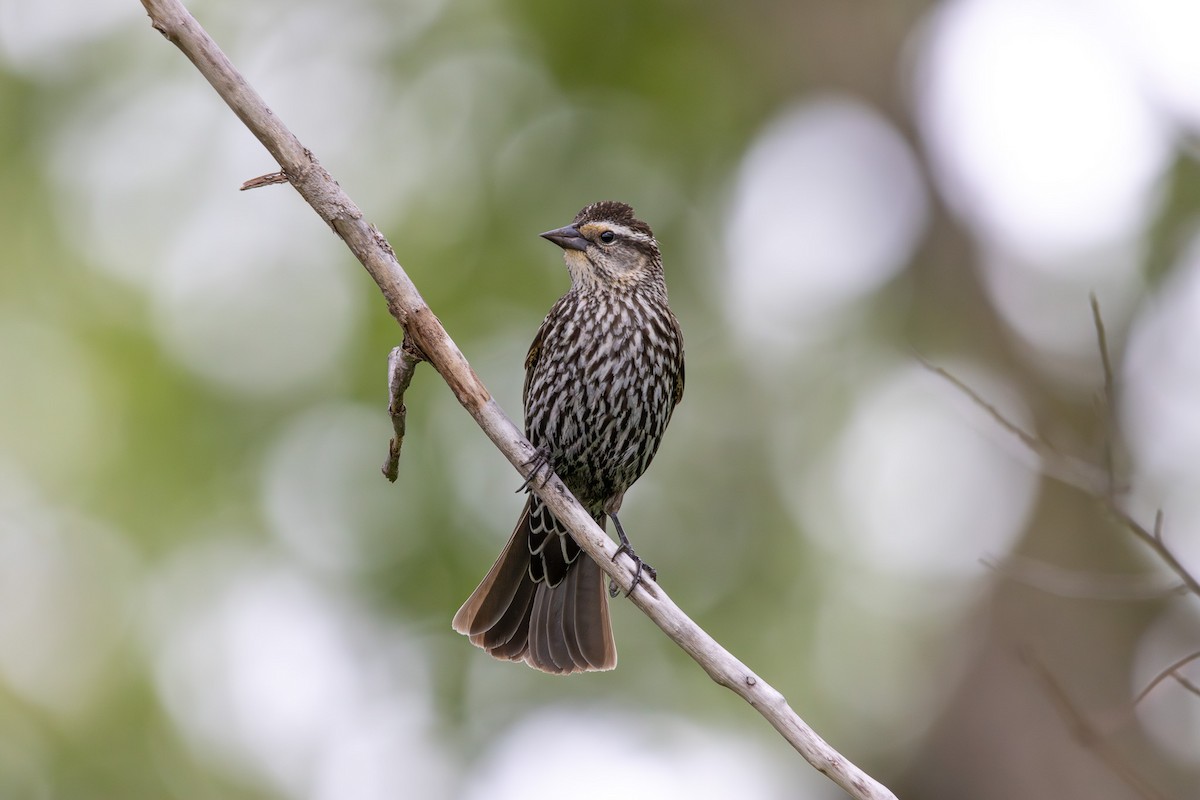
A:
(518, 113)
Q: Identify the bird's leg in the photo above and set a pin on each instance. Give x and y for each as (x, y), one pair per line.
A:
(642, 566)
(540, 469)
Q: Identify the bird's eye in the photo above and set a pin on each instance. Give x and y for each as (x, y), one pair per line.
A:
(608, 237)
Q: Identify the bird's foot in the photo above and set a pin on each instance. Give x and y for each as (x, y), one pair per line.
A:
(540, 469)
(642, 566)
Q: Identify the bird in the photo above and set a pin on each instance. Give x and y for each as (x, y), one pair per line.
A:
(602, 379)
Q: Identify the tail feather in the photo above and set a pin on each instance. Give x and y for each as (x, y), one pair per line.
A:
(560, 629)
(570, 638)
(595, 642)
(541, 637)
(509, 637)
(494, 596)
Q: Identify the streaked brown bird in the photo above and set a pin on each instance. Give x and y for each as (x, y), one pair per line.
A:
(602, 377)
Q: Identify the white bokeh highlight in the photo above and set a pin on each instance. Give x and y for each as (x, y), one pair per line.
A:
(270, 675)
(38, 38)
(1037, 130)
(1159, 38)
(64, 592)
(245, 291)
(921, 482)
(252, 314)
(828, 205)
(323, 496)
(561, 752)
(872, 651)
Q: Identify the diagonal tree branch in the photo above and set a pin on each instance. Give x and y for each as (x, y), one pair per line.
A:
(404, 302)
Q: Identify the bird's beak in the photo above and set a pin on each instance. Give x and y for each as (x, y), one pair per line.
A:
(568, 238)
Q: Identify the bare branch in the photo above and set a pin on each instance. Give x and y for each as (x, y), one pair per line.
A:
(402, 362)
(1028, 439)
(1086, 733)
(1084, 476)
(334, 206)
(1080, 475)
(1065, 469)
(1170, 672)
(1154, 540)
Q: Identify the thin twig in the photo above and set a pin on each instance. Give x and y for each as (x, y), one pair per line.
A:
(1069, 472)
(1080, 475)
(1102, 342)
(1028, 439)
(1154, 540)
(1065, 469)
(1086, 733)
(334, 206)
(402, 362)
(1186, 684)
(1109, 392)
(1170, 672)
(269, 179)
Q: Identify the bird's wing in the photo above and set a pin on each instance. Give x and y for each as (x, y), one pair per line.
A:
(535, 352)
(531, 359)
(679, 373)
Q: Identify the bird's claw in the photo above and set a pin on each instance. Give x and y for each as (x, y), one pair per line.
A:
(642, 566)
(540, 469)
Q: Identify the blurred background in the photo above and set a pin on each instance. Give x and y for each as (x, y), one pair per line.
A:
(207, 590)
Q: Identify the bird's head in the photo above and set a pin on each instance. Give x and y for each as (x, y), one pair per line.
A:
(607, 247)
